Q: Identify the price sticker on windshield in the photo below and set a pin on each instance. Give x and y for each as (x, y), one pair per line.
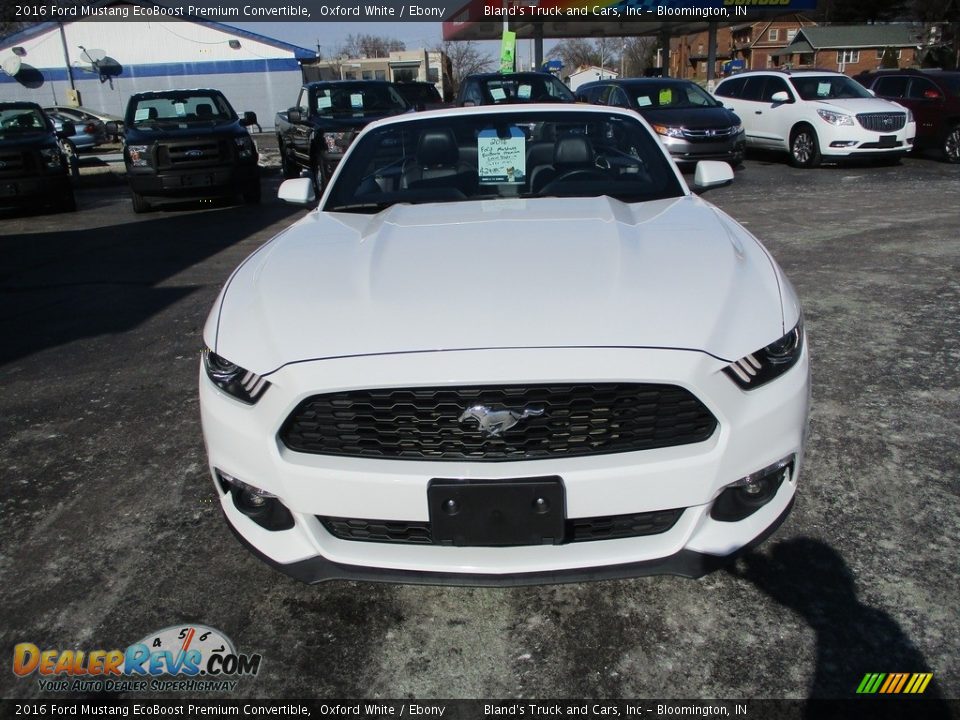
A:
(501, 159)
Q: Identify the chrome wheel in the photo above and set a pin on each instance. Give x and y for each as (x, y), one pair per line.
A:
(803, 149)
(951, 145)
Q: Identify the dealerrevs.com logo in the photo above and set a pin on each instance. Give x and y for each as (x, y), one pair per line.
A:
(180, 658)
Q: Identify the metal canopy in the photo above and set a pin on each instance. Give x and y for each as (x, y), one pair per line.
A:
(493, 29)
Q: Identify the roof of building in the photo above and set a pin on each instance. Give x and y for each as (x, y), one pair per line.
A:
(856, 36)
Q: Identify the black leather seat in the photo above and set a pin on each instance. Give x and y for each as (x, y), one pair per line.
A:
(571, 153)
(437, 160)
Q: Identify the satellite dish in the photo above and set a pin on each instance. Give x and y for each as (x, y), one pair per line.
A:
(93, 56)
(11, 65)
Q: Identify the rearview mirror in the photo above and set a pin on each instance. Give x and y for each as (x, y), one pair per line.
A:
(711, 174)
(298, 191)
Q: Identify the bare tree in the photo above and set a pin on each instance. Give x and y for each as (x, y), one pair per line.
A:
(577, 52)
(638, 54)
(466, 58)
(369, 46)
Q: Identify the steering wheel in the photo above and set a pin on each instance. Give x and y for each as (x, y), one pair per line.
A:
(581, 175)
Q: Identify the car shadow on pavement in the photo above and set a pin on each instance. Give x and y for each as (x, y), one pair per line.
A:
(810, 578)
(60, 283)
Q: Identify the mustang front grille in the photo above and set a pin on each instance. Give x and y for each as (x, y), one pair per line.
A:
(883, 122)
(497, 423)
(613, 527)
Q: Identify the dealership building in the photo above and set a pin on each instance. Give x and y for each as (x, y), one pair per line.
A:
(99, 64)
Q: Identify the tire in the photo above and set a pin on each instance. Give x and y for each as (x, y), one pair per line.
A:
(288, 167)
(140, 204)
(804, 148)
(951, 145)
(68, 203)
(252, 195)
(318, 176)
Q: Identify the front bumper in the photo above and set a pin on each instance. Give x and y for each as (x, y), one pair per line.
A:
(755, 429)
(194, 182)
(855, 141)
(34, 189)
(684, 151)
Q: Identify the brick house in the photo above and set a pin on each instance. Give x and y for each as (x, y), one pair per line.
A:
(750, 42)
(850, 49)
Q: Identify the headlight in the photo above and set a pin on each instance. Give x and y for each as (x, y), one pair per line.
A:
(835, 118)
(138, 155)
(909, 115)
(337, 142)
(51, 157)
(762, 366)
(737, 129)
(245, 149)
(674, 132)
(245, 386)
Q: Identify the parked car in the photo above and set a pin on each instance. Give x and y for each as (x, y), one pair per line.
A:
(188, 144)
(81, 115)
(315, 133)
(815, 115)
(471, 366)
(690, 122)
(87, 135)
(33, 167)
(421, 95)
(933, 97)
(512, 88)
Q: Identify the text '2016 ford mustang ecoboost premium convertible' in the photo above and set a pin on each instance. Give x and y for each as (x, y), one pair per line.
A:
(510, 346)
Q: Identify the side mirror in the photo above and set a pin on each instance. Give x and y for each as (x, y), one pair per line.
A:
(294, 115)
(298, 191)
(781, 97)
(711, 174)
(872, 91)
(67, 128)
(249, 118)
(112, 128)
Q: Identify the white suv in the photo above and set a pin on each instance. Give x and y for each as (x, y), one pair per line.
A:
(816, 114)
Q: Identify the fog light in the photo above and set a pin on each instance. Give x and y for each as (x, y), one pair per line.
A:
(744, 497)
(264, 508)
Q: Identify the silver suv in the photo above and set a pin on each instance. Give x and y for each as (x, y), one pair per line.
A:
(815, 115)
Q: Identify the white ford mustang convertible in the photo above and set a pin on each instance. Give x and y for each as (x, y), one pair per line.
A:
(509, 346)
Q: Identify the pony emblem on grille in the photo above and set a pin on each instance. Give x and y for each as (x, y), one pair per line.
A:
(494, 423)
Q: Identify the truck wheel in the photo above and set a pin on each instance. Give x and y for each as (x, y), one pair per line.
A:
(951, 145)
(251, 196)
(288, 167)
(68, 203)
(804, 149)
(319, 179)
(140, 204)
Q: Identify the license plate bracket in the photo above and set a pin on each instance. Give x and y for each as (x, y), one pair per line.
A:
(888, 141)
(497, 513)
(197, 180)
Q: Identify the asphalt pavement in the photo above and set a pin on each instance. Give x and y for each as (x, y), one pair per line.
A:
(110, 528)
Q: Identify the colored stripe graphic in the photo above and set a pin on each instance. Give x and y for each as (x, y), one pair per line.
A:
(894, 683)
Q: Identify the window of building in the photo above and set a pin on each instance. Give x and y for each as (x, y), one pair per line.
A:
(368, 74)
(881, 51)
(350, 75)
(848, 56)
(773, 35)
(433, 74)
(791, 34)
(405, 74)
(380, 74)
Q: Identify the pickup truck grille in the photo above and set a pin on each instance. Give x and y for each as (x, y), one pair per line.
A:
(190, 154)
(16, 163)
(883, 122)
(442, 423)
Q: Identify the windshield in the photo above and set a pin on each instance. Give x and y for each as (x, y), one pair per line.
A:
(828, 87)
(488, 156)
(180, 107)
(15, 121)
(358, 99)
(671, 96)
(526, 89)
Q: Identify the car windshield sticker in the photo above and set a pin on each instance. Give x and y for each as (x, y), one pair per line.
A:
(666, 95)
(523, 92)
(356, 101)
(180, 109)
(498, 94)
(501, 159)
(141, 114)
(644, 101)
(323, 102)
(823, 89)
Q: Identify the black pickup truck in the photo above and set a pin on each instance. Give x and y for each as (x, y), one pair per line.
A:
(33, 167)
(188, 144)
(314, 134)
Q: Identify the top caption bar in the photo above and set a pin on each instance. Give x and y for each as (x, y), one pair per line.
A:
(451, 11)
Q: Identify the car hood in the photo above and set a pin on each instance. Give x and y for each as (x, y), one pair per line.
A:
(860, 105)
(550, 272)
(693, 118)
